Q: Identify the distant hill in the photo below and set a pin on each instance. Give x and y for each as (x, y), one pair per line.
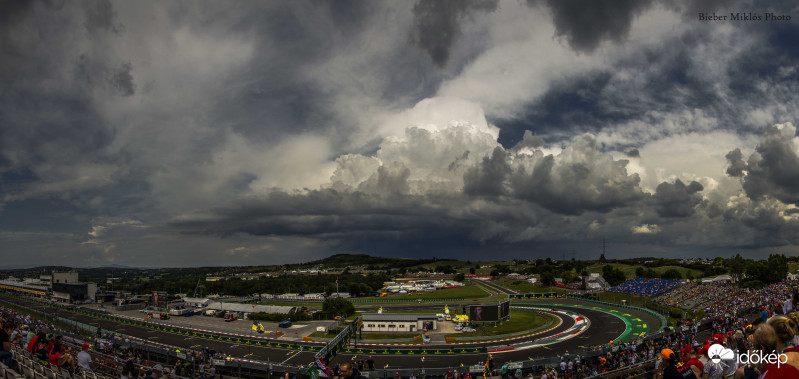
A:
(345, 260)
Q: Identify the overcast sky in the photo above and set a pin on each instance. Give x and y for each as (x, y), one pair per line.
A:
(187, 133)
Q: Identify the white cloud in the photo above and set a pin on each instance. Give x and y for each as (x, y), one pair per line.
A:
(645, 229)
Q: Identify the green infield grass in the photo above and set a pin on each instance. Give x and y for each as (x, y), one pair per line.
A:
(519, 322)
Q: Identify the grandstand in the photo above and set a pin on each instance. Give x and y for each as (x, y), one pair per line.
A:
(30, 367)
(646, 287)
(719, 296)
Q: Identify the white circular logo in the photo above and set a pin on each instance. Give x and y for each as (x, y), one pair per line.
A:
(718, 352)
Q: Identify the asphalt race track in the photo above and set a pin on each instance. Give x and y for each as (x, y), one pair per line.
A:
(604, 327)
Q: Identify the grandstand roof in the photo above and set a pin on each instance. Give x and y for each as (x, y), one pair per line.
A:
(251, 308)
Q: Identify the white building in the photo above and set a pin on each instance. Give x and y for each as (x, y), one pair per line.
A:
(399, 322)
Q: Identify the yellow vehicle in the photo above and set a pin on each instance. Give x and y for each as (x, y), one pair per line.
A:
(256, 326)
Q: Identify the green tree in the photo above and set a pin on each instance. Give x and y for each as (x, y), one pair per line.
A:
(672, 273)
(336, 306)
(613, 275)
(472, 270)
(737, 266)
(459, 277)
(548, 278)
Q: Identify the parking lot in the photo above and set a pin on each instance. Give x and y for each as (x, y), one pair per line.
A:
(240, 326)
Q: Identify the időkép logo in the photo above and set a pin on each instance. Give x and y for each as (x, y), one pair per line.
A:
(717, 353)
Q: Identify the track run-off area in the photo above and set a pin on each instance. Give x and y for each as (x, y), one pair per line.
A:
(580, 326)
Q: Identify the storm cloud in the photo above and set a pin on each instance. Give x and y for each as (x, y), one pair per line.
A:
(436, 24)
(676, 199)
(257, 130)
(586, 24)
(773, 169)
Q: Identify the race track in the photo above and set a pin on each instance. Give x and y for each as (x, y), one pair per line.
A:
(604, 326)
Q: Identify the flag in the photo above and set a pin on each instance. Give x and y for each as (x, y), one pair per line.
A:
(313, 372)
(318, 370)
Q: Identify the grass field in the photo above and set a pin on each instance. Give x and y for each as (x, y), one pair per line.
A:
(406, 338)
(519, 321)
(629, 270)
(466, 292)
(521, 286)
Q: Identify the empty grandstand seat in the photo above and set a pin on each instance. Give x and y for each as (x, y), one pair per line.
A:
(27, 371)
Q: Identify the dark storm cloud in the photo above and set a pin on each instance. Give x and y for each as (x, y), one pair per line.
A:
(323, 214)
(47, 118)
(456, 164)
(569, 185)
(676, 199)
(672, 80)
(388, 180)
(296, 82)
(436, 24)
(122, 80)
(585, 24)
(529, 141)
(100, 16)
(773, 169)
(633, 153)
(488, 178)
(736, 162)
(767, 221)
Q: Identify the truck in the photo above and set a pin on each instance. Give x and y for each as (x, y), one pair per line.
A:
(230, 316)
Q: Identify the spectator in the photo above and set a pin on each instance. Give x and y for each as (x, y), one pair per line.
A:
(129, 371)
(348, 371)
(672, 368)
(765, 341)
(5, 343)
(785, 329)
(84, 359)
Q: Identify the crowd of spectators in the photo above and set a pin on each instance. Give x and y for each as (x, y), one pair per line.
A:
(646, 287)
(773, 329)
(725, 298)
(46, 345)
